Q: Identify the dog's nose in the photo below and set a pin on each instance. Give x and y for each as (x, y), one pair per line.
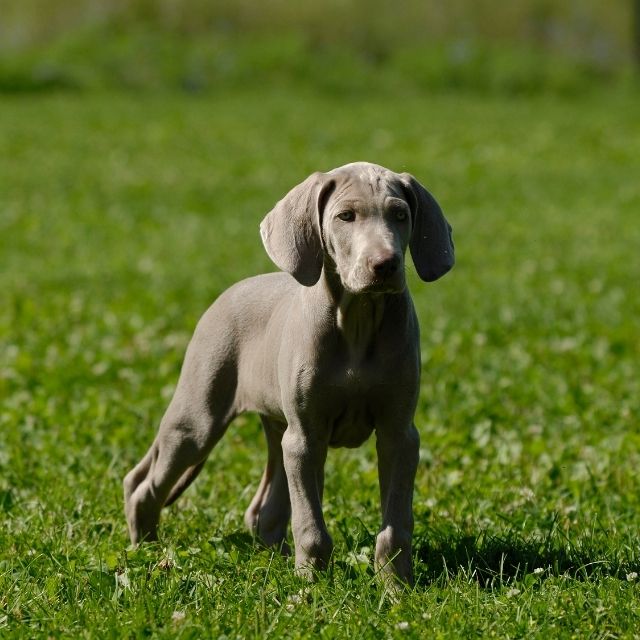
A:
(384, 265)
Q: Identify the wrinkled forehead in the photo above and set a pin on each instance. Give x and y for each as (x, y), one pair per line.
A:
(366, 183)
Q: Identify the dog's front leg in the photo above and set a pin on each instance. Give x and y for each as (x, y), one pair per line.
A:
(398, 454)
(304, 458)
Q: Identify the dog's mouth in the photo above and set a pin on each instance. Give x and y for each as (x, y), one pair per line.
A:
(385, 287)
(393, 284)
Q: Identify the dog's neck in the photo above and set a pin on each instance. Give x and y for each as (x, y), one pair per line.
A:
(357, 316)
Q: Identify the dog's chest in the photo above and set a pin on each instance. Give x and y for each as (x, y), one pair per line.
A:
(348, 406)
(352, 426)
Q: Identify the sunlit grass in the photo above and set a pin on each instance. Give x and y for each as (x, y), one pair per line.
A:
(122, 217)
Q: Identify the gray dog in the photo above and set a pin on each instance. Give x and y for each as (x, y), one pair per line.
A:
(326, 353)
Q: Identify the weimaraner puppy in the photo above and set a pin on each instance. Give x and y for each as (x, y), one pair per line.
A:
(326, 353)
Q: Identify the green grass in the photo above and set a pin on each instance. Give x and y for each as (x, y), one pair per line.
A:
(123, 216)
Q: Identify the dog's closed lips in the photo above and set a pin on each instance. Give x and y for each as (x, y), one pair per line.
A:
(326, 353)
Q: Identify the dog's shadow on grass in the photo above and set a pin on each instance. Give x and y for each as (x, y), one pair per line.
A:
(493, 561)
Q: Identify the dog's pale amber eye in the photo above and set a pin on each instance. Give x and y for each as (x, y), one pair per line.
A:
(347, 216)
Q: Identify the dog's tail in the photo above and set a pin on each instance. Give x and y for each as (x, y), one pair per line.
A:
(185, 480)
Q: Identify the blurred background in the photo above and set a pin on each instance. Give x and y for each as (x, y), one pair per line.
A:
(340, 45)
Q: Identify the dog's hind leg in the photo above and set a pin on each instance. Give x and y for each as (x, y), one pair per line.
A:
(137, 475)
(270, 510)
(180, 448)
(198, 415)
(183, 483)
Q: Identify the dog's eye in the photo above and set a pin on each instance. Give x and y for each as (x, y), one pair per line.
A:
(347, 215)
(400, 214)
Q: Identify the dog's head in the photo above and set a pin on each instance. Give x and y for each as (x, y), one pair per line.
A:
(358, 220)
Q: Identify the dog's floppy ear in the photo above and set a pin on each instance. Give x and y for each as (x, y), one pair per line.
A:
(431, 244)
(291, 230)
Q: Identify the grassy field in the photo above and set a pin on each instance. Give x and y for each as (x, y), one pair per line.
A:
(122, 216)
